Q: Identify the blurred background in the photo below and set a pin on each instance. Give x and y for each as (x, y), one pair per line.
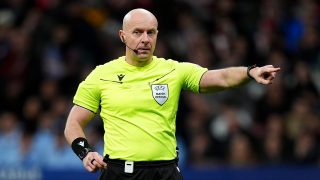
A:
(47, 47)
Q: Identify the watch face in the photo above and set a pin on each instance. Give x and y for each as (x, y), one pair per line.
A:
(84, 153)
(81, 155)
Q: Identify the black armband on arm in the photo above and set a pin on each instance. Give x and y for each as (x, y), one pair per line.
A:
(81, 147)
(248, 70)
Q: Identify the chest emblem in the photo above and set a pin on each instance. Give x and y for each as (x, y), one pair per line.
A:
(160, 93)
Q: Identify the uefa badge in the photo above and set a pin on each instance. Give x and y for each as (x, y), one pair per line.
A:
(160, 93)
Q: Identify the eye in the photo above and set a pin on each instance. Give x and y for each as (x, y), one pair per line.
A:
(151, 32)
(137, 33)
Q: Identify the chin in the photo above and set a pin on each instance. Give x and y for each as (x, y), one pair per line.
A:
(144, 57)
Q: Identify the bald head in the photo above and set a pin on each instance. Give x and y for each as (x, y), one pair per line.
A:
(139, 34)
(138, 16)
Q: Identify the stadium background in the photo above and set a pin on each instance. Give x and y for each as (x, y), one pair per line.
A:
(254, 132)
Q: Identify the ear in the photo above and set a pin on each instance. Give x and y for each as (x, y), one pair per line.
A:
(121, 35)
(123, 40)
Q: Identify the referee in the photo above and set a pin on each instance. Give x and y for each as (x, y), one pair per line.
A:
(138, 96)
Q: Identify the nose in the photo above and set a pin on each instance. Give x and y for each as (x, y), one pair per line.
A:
(145, 38)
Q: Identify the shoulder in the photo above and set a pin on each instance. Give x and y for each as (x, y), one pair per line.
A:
(180, 66)
(103, 69)
(110, 65)
(174, 62)
(165, 62)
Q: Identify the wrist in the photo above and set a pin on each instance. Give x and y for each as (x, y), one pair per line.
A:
(249, 69)
(81, 147)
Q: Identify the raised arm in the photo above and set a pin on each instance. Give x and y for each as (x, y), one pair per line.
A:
(74, 132)
(217, 80)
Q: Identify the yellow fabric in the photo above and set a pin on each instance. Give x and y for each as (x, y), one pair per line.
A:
(138, 105)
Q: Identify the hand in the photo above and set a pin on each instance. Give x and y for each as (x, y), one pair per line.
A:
(264, 74)
(94, 161)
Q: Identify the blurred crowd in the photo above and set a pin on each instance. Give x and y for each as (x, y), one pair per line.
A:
(47, 47)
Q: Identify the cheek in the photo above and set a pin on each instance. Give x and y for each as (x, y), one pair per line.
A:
(154, 42)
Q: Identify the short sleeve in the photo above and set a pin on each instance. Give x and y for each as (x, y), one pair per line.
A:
(88, 93)
(191, 74)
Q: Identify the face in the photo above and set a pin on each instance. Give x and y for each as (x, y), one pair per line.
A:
(140, 33)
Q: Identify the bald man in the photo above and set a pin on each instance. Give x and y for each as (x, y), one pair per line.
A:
(137, 95)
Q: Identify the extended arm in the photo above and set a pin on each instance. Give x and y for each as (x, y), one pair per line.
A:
(217, 80)
(78, 118)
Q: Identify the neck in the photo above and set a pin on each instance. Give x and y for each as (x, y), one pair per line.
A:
(136, 61)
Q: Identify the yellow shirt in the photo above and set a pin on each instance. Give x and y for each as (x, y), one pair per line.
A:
(138, 105)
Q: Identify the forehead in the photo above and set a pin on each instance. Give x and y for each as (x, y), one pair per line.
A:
(143, 21)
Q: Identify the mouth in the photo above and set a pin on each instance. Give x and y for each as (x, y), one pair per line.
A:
(144, 49)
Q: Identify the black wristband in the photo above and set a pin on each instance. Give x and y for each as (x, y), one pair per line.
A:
(248, 70)
(81, 147)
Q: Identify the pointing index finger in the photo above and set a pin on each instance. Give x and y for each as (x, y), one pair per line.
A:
(273, 69)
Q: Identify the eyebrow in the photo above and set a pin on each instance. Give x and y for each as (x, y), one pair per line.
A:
(141, 29)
